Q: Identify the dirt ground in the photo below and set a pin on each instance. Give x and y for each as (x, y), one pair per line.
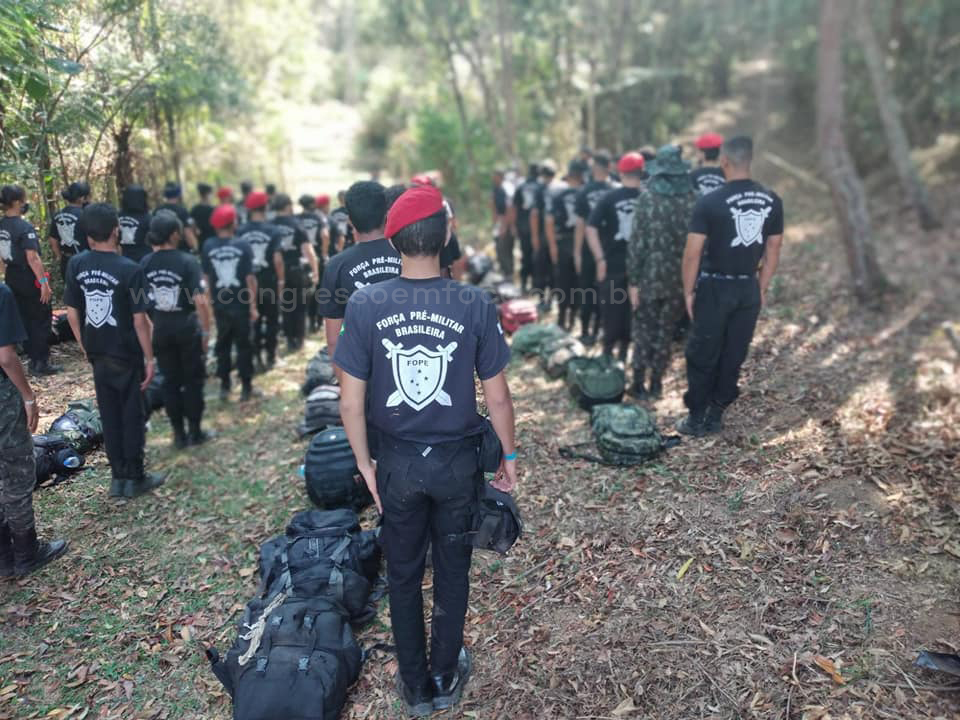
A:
(790, 568)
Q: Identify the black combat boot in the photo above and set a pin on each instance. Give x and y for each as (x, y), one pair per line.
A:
(142, 482)
(225, 390)
(258, 367)
(713, 420)
(29, 554)
(117, 481)
(418, 702)
(656, 386)
(692, 424)
(6, 552)
(637, 388)
(179, 435)
(448, 689)
(198, 436)
(44, 367)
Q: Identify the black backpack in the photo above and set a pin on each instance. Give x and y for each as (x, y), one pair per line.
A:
(478, 265)
(330, 471)
(55, 459)
(324, 553)
(80, 426)
(322, 410)
(319, 372)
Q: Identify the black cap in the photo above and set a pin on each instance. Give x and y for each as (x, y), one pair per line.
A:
(204, 189)
(576, 168)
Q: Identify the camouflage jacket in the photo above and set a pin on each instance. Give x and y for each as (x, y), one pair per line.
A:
(655, 248)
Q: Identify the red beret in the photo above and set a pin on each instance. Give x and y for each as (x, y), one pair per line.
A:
(256, 200)
(421, 179)
(225, 193)
(323, 199)
(417, 203)
(630, 163)
(708, 141)
(223, 217)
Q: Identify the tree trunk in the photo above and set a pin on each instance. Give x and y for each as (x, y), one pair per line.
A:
(849, 199)
(505, 37)
(461, 108)
(889, 107)
(123, 158)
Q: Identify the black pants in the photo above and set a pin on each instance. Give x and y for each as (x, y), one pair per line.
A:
(122, 414)
(34, 314)
(505, 255)
(425, 500)
(542, 270)
(615, 315)
(526, 257)
(293, 309)
(64, 261)
(587, 299)
(268, 323)
(233, 328)
(725, 315)
(178, 347)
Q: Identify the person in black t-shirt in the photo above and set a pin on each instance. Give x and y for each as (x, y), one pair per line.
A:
(310, 223)
(587, 199)
(181, 326)
(299, 266)
(27, 278)
(608, 231)
(502, 236)
(411, 349)
(201, 212)
(371, 260)
(709, 176)
(734, 229)
(64, 237)
(341, 231)
(107, 301)
(173, 201)
(232, 292)
(246, 187)
(560, 226)
(20, 551)
(524, 202)
(542, 265)
(264, 241)
(134, 223)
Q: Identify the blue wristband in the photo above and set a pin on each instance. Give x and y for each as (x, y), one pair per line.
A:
(42, 280)
(511, 456)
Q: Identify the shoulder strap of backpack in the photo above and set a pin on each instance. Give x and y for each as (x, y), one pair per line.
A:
(336, 573)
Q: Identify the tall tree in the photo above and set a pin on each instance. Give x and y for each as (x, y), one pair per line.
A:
(889, 107)
(849, 199)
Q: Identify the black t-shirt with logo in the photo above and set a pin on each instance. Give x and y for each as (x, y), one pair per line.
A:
(227, 263)
(264, 241)
(737, 220)
(418, 343)
(292, 240)
(363, 264)
(500, 200)
(341, 229)
(12, 331)
(133, 236)
(525, 200)
(613, 219)
(200, 214)
(107, 289)
(563, 206)
(707, 178)
(173, 279)
(16, 237)
(589, 195)
(181, 212)
(66, 229)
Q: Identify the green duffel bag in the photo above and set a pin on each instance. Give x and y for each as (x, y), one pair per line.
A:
(555, 354)
(595, 381)
(624, 435)
(528, 339)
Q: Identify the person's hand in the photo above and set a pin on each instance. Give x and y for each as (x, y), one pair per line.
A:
(205, 342)
(369, 473)
(601, 271)
(506, 478)
(33, 413)
(150, 369)
(254, 315)
(634, 297)
(763, 298)
(45, 292)
(578, 264)
(554, 255)
(689, 301)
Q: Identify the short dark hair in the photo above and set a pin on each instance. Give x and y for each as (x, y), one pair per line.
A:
(10, 194)
(739, 150)
(711, 154)
(424, 238)
(392, 193)
(270, 188)
(100, 220)
(246, 187)
(601, 158)
(204, 189)
(366, 204)
(281, 201)
(307, 201)
(75, 191)
(164, 224)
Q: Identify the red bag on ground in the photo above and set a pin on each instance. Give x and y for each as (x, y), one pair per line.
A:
(515, 313)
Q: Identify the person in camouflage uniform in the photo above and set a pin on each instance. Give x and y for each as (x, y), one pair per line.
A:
(20, 551)
(654, 255)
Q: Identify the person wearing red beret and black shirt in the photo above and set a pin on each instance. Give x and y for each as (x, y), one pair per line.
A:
(264, 240)
(735, 230)
(232, 292)
(410, 351)
(709, 176)
(608, 231)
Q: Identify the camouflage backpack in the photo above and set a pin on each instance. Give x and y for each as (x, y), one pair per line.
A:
(528, 339)
(80, 426)
(595, 381)
(624, 435)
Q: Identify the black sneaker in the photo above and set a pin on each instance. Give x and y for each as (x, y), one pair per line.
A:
(180, 440)
(200, 437)
(713, 420)
(116, 487)
(692, 424)
(418, 703)
(448, 689)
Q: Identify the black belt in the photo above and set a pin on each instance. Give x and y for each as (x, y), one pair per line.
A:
(727, 276)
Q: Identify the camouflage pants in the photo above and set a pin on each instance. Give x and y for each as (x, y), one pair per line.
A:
(654, 324)
(18, 473)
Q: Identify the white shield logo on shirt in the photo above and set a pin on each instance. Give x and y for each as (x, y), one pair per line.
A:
(128, 230)
(286, 242)
(65, 225)
(165, 297)
(226, 270)
(99, 308)
(625, 213)
(419, 374)
(5, 246)
(749, 224)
